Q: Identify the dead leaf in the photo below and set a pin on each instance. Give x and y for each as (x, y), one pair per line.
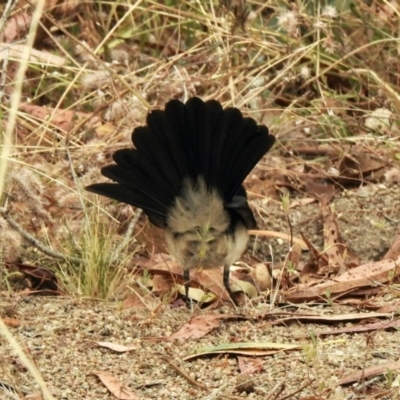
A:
(246, 287)
(38, 56)
(334, 246)
(261, 277)
(390, 308)
(286, 317)
(64, 120)
(197, 294)
(211, 279)
(34, 396)
(133, 301)
(294, 255)
(394, 250)
(38, 279)
(358, 165)
(115, 386)
(245, 349)
(363, 276)
(196, 328)
(116, 347)
(12, 322)
(369, 372)
(320, 191)
(378, 326)
(161, 285)
(250, 365)
(16, 27)
(206, 285)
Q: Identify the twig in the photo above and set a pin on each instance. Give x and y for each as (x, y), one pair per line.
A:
(4, 74)
(300, 389)
(276, 390)
(183, 373)
(34, 242)
(6, 13)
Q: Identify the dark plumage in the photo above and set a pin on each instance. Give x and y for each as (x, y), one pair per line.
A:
(186, 173)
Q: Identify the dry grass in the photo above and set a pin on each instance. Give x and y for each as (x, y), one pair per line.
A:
(315, 75)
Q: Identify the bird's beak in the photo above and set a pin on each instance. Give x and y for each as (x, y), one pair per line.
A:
(205, 238)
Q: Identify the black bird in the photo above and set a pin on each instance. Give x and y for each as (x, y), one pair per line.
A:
(186, 173)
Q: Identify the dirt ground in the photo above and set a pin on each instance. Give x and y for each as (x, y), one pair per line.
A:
(324, 78)
(60, 334)
(368, 218)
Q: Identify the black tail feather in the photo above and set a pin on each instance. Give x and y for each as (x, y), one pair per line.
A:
(156, 213)
(185, 141)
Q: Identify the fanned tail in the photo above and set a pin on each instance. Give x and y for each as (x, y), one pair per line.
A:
(186, 141)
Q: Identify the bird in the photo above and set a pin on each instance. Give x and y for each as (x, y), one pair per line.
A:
(186, 171)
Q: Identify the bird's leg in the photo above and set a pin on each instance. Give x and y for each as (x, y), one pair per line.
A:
(227, 287)
(186, 280)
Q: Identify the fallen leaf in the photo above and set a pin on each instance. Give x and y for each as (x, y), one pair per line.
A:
(38, 279)
(246, 287)
(115, 386)
(358, 165)
(334, 246)
(34, 396)
(133, 301)
(246, 349)
(390, 308)
(12, 322)
(378, 326)
(16, 27)
(116, 347)
(396, 382)
(323, 192)
(320, 318)
(294, 255)
(62, 119)
(369, 372)
(394, 250)
(261, 277)
(211, 279)
(38, 56)
(250, 365)
(197, 294)
(363, 276)
(161, 285)
(196, 328)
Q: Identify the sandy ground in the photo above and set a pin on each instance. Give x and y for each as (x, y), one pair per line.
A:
(60, 334)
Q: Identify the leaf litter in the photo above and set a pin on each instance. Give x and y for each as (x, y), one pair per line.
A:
(209, 356)
(329, 280)
(324, 281)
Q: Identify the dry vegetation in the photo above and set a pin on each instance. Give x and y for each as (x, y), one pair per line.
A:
(77, 77)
